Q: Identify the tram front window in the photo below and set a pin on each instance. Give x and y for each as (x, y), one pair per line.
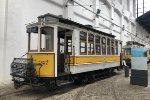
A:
(47, 38)
(33, 42)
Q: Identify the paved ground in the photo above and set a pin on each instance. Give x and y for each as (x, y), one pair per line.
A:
(116, 87)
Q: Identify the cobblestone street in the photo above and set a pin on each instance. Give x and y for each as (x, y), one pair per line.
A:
(116, 87)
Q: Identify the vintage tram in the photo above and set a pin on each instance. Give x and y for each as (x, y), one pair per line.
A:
(62, 51)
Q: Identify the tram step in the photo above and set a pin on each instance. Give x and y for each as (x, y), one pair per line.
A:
(63, 74)
(64, 83)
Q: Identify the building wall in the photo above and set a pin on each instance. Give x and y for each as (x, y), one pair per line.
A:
(143, 36)
(2, 31)
(14, 14)
(14, 38)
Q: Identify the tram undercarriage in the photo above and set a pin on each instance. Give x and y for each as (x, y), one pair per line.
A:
(24, 73)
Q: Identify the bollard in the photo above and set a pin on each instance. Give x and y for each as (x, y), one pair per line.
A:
(139, 72)
(126, 71)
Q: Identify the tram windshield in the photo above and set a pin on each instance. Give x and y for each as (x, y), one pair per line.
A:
(46, 40)
(33, 42)
(128, 51)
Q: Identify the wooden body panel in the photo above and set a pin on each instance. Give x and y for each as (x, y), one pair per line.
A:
(44, 64)
(79, 60)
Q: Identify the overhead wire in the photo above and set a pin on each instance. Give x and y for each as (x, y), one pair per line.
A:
(108, 20)
(93, 8)
(103, 17)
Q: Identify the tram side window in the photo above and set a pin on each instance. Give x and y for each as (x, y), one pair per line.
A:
(33, 42)
(97, 44)
(83, 43)
(116, 47)
(112, 47)
(91, 44)
(108, 46)
(47, 38)
(103, 45)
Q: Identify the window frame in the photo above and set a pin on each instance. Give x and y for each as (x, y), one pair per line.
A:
(52, 40)
(70, 53)
(109, 46)
(104, 44)
(83, 41)
(113, 46)
(90, 42)
(116, 47)
(29, 42)
(98, 44)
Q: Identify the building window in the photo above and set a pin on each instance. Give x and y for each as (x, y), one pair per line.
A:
(47, 38)
(103, 45)
(83, 43)
(90, 43)
(97, 44)
(108, 46)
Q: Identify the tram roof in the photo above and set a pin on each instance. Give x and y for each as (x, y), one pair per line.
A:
(134, 43)
(70, 22)
(144, 21)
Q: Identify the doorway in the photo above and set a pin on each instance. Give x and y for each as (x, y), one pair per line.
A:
(64, 50)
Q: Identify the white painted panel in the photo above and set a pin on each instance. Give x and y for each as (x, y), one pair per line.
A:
(139, 63)
(76, 41)
(92, 67)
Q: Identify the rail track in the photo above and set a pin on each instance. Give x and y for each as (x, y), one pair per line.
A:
(42, 93)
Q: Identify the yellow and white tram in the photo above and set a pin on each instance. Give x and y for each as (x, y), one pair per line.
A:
(58, 47)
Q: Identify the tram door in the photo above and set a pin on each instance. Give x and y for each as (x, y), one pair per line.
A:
(64, 50)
